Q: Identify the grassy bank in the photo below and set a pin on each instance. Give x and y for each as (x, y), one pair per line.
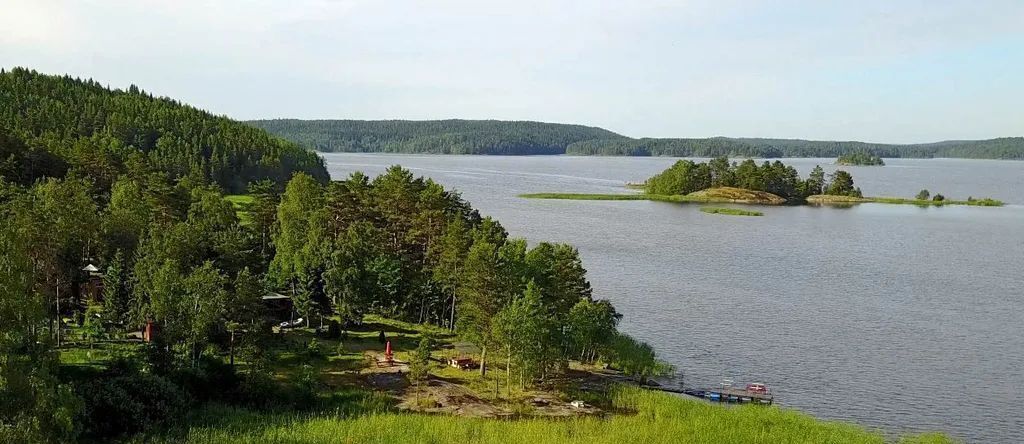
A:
(730, 211)
(645, 417)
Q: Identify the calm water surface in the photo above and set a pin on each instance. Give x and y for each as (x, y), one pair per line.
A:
(894, 317)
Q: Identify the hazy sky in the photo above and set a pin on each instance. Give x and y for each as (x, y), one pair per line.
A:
(887, 71)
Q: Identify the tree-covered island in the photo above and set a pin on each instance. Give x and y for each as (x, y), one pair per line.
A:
(747, 182)
(860, 158)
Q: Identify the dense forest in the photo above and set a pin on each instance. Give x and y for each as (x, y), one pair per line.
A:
(130, 190)
(506, 137)
(434, 136)
(1002, 148)
(686, 176)
(56, 125)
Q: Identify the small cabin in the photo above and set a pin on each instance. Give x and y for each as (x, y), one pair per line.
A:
(278, 306)
(92, 288)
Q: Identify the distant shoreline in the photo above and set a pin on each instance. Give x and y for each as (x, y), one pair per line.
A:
(816, 200)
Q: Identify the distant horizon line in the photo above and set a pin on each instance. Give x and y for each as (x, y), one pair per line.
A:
(631, 137)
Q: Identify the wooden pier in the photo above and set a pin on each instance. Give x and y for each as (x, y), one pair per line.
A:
(724, 394)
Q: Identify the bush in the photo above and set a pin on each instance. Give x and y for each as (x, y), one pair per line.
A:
(938, 198)
(129, 404)
(213, 380)
(313, 349)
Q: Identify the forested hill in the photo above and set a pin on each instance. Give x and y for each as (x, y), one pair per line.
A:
(1001, 148)
(434, 136)
(524, 137)
(50, 125)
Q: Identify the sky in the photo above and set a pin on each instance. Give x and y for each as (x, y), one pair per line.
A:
(895, 71)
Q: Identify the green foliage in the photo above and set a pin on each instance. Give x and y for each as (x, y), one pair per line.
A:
(419, 362)
(862, 158)
(313, 349)
(116, 291)
(34, 406)
(131, 403)
(841, 184)
(524, 328)
(924, 195)
(591, 327)
(92, 326)
(685, 177)
(636, 358)
(938, 197)
(94, 131)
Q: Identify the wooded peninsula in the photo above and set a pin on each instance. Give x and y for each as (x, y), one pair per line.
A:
(168, 275)
(529, 138)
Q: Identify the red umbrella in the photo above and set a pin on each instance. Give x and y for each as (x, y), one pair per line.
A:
(387, 350)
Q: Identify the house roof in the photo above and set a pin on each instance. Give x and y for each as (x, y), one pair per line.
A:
(91, 268)
(274, 296)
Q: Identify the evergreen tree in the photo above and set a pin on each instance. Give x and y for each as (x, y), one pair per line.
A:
(117, 302)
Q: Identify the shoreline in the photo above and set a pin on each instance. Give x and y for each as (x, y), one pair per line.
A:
(816, 200)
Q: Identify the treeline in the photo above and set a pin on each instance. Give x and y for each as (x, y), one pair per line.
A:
(1001, 148)
(686, 176)
(520, 137)
(52, 126)
(433, 136)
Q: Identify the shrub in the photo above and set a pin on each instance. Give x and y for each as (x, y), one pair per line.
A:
(313, 349)
(131, 403)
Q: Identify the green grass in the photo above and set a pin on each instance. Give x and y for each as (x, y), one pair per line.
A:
(240, 201)
(646, 417)
(730, 211)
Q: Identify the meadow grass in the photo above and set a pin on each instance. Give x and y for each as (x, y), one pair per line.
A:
(652, 417)
(730, 211)
(240, 201)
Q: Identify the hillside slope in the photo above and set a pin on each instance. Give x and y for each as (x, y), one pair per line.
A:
(88, 126)
(434, 136)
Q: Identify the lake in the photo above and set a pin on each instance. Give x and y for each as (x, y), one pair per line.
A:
(895, 317)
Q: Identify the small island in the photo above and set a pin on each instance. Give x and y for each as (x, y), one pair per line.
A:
(770, 183)
(730, 211)
(860, 158)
